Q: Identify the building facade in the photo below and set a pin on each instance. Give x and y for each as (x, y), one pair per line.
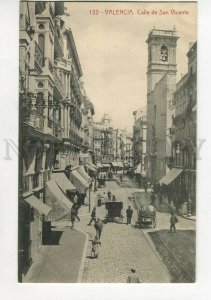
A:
(139, 139)
(103, 141)
(55, 120)
(184, 131)
(161, 83)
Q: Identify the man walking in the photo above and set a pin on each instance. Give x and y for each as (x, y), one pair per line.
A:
(93, 215)
(98, 227)
(129, 213)
(74, 214)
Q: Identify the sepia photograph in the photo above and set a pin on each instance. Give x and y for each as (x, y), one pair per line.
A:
(107, 142)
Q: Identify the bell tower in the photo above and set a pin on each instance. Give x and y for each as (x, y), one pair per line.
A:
(161, 55)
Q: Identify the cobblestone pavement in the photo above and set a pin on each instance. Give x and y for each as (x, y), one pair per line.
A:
(123, 247)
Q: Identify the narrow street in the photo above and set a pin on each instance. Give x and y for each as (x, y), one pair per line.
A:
(123, 246)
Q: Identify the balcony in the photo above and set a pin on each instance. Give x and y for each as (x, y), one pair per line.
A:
(26, 183)
(57, 131)
(50, 66)
(170, 160)
(58, 84)
(35, 119)
(38, 56)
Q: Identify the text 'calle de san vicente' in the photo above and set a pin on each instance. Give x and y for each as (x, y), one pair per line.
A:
(128, 12)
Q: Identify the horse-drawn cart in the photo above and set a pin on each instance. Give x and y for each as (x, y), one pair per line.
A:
(114, 210)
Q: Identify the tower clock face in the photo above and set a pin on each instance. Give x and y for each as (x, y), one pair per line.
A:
(164, 53)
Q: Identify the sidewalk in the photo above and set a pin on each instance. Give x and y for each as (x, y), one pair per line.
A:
(60, 261)
(171, 207)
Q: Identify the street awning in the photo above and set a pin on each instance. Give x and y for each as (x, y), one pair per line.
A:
(83, 173)
(114, 164)
(54, 192)
(63, 182)
(106, 165)
(171, 176)
(79, 181)
(120, 164)
(138, 169)
(90, 167)
(38, 205)
(99, 165)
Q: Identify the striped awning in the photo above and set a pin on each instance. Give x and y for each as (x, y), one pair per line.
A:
(91, 167)
(171, 176)
(83, 173)
(106, 165)
(79, 181)
(99, 165)
(114, 164)
(120, 164)
(53, 190)
(63, 182)
(38, 204)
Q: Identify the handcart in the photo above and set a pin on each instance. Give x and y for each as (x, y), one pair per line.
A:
(147, 216)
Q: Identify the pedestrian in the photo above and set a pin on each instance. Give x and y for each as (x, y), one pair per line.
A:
(109, 195)
(95, 247)
(105, 199)
(113, 198)
(133, 277)
(129, 213)
(153, 197)
(121, 177)
(74, 214)
(93, 216)
(98, 227)
(173, 221)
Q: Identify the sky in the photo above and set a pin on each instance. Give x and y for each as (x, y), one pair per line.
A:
(113, 52)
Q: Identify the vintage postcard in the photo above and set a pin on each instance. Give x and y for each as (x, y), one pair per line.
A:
(107, 139)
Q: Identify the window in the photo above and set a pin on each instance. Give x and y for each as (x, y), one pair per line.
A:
(164, 53)
(40, 102)
(40, 85)
(41, 26)
(41, 42)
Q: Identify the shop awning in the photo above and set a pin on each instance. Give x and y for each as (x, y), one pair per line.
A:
(120, 164)
(90, 167)
(79, 181)
(63, 182)
(106, 165)
(83, 173)
(171, 176)
(38, 205)
(99, 165)
(138, 169)
(54, 193)
(114, 164)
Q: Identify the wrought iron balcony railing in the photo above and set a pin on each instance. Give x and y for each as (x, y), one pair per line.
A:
(58, 83)
(34, 119)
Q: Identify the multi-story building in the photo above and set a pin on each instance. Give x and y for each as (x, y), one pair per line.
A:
(161, 83)
(40, 128)
(126, 148)
(139, 140)
(103, 141)
(53, 122)
(183, 132)
(116, 145)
